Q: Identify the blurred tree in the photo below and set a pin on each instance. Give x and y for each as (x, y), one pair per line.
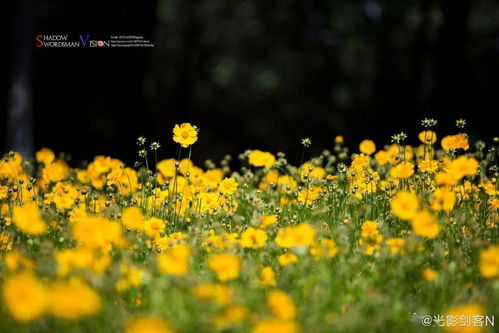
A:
(20, 107)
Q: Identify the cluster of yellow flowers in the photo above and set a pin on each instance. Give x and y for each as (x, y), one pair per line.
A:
(267, 247)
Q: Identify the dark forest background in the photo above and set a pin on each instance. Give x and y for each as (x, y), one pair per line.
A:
(251, 74)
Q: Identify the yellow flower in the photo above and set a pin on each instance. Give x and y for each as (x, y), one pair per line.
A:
(174, 261)
(382, 157)
(395, 244)
(446, 179)
(443, 199)
(404, 205)
(359, 162)
(458, 141)
(312, 171)
(5, 241)
(424, 224)
(427, 137)
(403, 170)
(4, 192)
(309, 195)
(325, 249)
(154, 227)
(25, 297)
(225, 266)
(73, 300)
(45, 156)
(185, 134)
(170, 241)
(147, 324)
(369, 229)
(228, 186)
(428, 165)
(55, 171)
(489, 262)
(27, 219)
(130, 277)
(219, 293)
(286, 183)
(97, 232)
(281, 304)
(166, 168)
(132, 218)
(301, 235)
(429, 274)
(267, 277)
(463, 166)
(212, 177)
(275, 325)
(493, 203)
(114, 176)
(15, 261)
(287, 259)
(259, 158)
(267, 220)
(231, 316)
(79, 258)
(367, 147)
(468, 312)
(370, 237)
(253, 238)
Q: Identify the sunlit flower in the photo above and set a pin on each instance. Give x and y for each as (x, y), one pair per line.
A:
(228, 186)
(185, 134)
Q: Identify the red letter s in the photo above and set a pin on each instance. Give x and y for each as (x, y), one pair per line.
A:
(39, 43)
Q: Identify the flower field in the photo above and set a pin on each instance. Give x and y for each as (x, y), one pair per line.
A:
(385, 238)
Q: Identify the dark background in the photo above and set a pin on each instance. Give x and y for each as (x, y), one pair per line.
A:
(252, 74)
